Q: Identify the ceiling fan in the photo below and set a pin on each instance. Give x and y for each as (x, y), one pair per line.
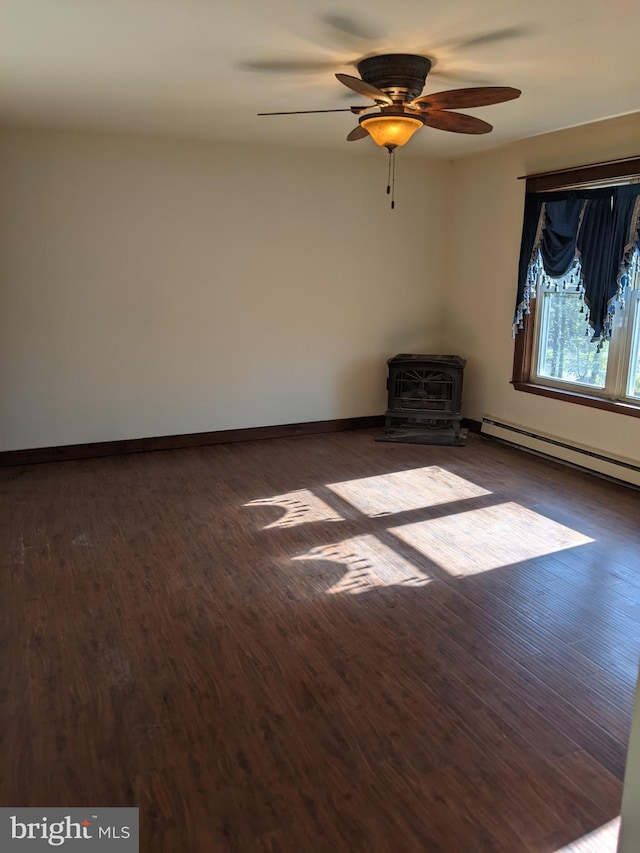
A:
(394, 82)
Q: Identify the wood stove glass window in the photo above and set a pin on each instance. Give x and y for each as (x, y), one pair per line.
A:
(425, 390)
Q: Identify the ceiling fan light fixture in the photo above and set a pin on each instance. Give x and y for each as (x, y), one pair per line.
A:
(391, 131)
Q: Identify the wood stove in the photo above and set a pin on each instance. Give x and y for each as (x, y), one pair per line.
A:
(425, 400)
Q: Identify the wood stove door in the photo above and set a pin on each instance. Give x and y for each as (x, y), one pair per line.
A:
(424, 390)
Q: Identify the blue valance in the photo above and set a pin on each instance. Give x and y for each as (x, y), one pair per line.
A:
(585, 240)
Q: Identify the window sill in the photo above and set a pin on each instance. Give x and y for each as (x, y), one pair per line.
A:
(616, 406)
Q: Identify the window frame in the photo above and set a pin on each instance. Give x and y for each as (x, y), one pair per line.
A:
(615, 171)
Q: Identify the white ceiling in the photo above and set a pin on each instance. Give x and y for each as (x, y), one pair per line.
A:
(184, 66)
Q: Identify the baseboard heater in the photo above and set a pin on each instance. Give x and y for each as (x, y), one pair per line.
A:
(615, 468)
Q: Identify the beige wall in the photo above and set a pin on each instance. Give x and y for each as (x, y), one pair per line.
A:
(485, 237)
(153, 287)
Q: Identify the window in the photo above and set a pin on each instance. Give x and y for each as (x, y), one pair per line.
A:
(565, 356)
(574, 343)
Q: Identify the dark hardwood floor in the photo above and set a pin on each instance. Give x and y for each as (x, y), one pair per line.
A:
(321, 643)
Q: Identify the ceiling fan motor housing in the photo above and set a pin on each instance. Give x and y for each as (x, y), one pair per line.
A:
(402, 72)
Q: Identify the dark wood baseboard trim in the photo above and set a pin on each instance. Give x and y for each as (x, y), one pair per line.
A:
(471, 425)
(175, 442)
(198, 439)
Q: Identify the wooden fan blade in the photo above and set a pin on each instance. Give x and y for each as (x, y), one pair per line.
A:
(477, 39)
(308, 112)
(349, 29)
(481, 96)
(467, 77)
(289, 66)
(359, 110)
(455, 122)
(365, 89)
(357, 133)
(482, 39)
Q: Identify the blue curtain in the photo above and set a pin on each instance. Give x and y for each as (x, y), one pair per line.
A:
(582, 239)
(559, 237)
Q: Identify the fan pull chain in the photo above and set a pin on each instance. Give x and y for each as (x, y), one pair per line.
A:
(393, 178)
(391, 175)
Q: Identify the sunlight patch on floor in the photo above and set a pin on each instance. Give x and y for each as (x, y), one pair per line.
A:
(300, 507)
(368, 564)
(401, 491)
(482, 539)
(602, 840)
